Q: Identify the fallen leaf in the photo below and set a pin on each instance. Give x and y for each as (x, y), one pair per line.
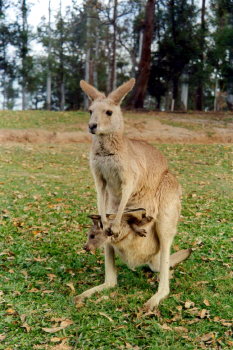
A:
(57, 319)
(2, 337)
(181, 329)
(33, 290)
(11, 311)
(227, 324)
(64, 324)
(24, 272)
(39, 259)
(23, 318)
(194, 311)
(51, 276)
(46, 291)
(206, 337)
(188, 304)
(62, 346)
(71, 286)
(206, 302)
(166, 327)
(103, 314)
(204, 313)
(26, 326)
(56, 339)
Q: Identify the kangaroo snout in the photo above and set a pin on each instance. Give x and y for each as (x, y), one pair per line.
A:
(86, 247)
(92, 128)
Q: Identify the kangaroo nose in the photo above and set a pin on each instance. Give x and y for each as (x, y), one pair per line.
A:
(92, 128)
(86, 248)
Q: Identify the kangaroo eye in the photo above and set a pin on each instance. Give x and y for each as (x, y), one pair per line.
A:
(92, 236)
(109, 113)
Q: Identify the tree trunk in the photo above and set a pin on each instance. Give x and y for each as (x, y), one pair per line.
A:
(49, 79)
(61, 63)
(199, 91)
(24, 51)
(137, 100)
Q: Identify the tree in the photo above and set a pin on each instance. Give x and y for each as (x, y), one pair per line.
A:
(202, 51)
(137, 100)
(221, 54)
(7, 64)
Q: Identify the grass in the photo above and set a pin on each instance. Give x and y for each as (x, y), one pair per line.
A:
(53, 121)
(46, 193)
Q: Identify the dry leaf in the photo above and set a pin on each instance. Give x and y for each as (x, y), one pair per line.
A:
(26, 326)
(33, 290)
(71, 286)
(103, 314)
(181, 329)
(64, 324)
(23, 318)
(188, 304)
(24, 272)
(2, 337)
(11, 311)
(51, 276)
(57, 319)
(166, 327)
(39, 259)
(194, 311)
(62, 346)
(204, 313)
(206, 302)
(206, 337)
(46, 291)
(56, 339)
(227, 324)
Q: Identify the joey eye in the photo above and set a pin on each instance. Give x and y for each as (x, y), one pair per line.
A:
(92, 236)
(90, 111)
(109, 113)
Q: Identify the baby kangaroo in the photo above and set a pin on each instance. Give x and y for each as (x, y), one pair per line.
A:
(130, 174)
(132, 249)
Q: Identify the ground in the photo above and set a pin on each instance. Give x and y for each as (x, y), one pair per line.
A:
(46, 193)
(37, 127)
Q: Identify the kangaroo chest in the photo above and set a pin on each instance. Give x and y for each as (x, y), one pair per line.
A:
(109, 169)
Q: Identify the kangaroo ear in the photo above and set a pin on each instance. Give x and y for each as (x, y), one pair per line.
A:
(91, 91)
(137, 214)
(118, 95)
(96, 220)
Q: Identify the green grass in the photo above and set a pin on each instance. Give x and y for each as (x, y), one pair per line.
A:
(46, 193)
(54, 121)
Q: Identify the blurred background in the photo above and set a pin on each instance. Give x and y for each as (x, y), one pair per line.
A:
(180, 51)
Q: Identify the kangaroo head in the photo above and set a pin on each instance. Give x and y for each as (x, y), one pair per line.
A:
(105, 112)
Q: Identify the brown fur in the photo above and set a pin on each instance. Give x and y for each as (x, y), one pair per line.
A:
(133, 250)
(130, 174)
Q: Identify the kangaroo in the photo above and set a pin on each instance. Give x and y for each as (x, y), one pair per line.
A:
(130, 173)
(132, 249)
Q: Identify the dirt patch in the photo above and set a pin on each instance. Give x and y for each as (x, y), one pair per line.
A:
(150, 130)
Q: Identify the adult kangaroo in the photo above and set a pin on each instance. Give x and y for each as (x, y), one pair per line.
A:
(130, 174)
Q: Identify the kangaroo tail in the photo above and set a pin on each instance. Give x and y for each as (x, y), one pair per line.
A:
(179, 256)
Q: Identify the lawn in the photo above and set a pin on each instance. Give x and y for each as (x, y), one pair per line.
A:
(46, 193)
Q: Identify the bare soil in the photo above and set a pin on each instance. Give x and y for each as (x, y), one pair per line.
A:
(204, 130)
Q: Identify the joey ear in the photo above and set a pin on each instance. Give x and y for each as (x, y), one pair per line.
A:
(96, 220)
(91, 91)
(118, 95)
(138, 214)
(111, 216)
